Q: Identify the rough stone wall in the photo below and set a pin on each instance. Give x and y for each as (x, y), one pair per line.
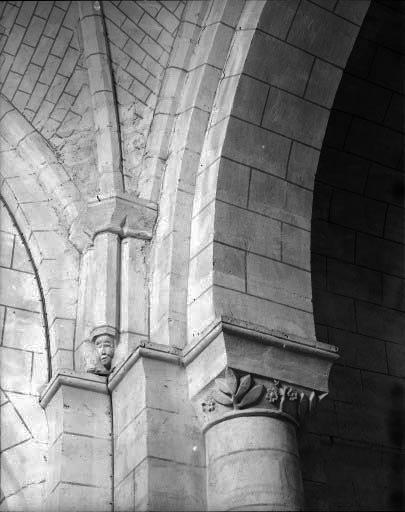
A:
(353, 451)
(23, 372)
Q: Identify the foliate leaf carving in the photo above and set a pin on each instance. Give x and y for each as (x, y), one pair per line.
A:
(230, 392)
(231, 380)
(223, 386)
(251, 396)
(244, 385)
(222, 398)
(241, 393)
(272, 394)
(291, 393)
(303, 405)
(278, 391)
(313, 401)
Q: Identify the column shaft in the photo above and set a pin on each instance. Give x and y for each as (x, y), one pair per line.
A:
(252, 464)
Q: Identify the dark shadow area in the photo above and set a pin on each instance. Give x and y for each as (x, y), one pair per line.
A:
(353, 450)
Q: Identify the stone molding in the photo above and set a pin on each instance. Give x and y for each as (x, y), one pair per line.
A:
(144, 349)
(256, 411)
(251, 349)
(259, 333)
(74, 379)
(295, 386)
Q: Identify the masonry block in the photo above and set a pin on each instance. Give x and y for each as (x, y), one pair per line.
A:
(277, 16)
(13, 430)
(6, 248)
(358, 213)
(380, 322)
(394, 117)
(362, 98)
(386, 185)
(229, 267)
(250, 99)
(256, 147)
(335, 310)
(379, 254)
(277, 63)
(295, 246)
(323, 83)
(278, 282)
(12, 281)
(374, 142)
(302, 165)
(396, 359)
(24, 330)
(393, 292)
(29, 458)
(246, 230)
(233, 182)
(384, 69)
(311, 17)
(343, 170)
(276, 317)
(295, 118)
(14, 39)
(15, 370)
(332, 240)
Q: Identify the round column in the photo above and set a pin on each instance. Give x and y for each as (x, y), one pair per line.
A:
(252, 462)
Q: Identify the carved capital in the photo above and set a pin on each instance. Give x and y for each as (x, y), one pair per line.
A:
(236, 369)
(241, 393)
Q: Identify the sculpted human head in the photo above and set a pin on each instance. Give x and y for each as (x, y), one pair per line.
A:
(105, 348)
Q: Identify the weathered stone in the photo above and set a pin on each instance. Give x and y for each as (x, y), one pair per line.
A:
(278, 63)
(187, 136)
(291, 116)
(336, 50)
(323, 83)
(268, 151)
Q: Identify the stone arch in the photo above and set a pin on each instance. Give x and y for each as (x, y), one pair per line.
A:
(44, 203)
(250, 235)
(191, 96)
(24, 372)
(358, 272)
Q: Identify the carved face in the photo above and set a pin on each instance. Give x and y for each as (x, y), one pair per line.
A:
(105, 348)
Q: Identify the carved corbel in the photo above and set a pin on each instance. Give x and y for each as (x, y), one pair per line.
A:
(100, 351)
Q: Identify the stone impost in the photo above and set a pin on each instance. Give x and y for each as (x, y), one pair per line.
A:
(77, 407)
(250, 390)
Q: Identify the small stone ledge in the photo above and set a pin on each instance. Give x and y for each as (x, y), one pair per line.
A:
(246, 348)
(146, 349)
(74, 379)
